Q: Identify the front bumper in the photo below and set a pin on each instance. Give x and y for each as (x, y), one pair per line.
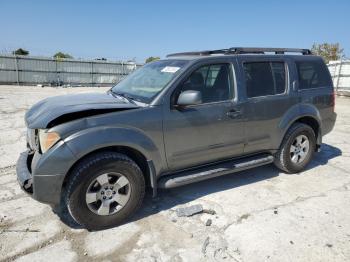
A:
(42, 175)
(24, 177)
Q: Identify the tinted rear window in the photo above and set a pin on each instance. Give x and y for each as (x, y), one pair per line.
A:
(313, 74)
(264, 78)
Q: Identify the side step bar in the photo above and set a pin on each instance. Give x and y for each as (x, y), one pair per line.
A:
(203, 173)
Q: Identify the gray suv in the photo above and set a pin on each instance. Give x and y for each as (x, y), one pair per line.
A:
(183, 119)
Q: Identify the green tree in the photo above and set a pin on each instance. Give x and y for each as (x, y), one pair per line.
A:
(61, 55)
(152, 58)
(328, 51)
(20, 51)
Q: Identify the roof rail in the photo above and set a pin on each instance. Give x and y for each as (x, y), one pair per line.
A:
(245, 50)
(205, 52)
(262, 50)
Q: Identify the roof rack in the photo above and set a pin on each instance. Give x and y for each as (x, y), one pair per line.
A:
(245, 50)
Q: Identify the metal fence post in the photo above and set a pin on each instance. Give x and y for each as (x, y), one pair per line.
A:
(92, 73)
(56, 69)
(17, 73)
(122, 74)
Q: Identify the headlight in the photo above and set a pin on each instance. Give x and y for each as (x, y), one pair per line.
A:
(47, 139)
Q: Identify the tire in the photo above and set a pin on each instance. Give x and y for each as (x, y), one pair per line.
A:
(86, 178)
(288, 156)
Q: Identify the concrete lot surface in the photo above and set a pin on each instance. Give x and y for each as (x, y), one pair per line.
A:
(261, 214)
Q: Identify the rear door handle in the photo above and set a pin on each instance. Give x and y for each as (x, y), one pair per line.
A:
(234, 113)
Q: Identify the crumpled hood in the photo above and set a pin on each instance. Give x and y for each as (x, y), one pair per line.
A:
(47, 110)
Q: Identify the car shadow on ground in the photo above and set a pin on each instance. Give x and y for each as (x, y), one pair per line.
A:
(327, 153)
(168, 199)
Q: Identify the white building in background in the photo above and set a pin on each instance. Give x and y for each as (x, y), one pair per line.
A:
(340, 71)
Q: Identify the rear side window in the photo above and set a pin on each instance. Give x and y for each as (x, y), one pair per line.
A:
(313, 74)
(264, 78)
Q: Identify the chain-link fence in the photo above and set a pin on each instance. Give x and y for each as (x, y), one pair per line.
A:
(26, 70)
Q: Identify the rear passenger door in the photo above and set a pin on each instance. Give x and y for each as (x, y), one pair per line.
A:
(266, 82)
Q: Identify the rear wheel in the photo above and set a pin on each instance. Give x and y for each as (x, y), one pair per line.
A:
(297, 149)
(104, 190)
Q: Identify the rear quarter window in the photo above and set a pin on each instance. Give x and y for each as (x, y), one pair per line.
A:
(313, 74)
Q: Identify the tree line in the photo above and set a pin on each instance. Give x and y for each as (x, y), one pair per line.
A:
(58, 55)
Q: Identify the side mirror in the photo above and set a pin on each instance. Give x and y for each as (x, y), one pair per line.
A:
(189, 97)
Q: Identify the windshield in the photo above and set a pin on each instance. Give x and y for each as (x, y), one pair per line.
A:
(146, 82)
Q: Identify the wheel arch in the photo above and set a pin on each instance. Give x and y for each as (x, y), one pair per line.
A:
(302, 113)
(99, 138)
(310, 121)
(129, 141)
(130, 152)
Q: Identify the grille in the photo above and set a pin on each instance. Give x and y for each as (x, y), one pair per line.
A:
(32, 140)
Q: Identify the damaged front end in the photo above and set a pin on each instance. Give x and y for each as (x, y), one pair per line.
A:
(24, 162)
(81, 114)
(42, 167)
(24, 176)
(61, 109)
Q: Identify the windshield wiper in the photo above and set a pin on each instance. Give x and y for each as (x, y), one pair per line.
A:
(125, 96)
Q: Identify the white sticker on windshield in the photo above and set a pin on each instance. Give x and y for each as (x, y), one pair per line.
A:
(170, 69)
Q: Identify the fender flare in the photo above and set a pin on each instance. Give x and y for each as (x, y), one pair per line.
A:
(89, 140)
(297, 112)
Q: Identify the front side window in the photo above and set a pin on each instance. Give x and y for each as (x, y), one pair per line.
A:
(213, 81)
(146, 82)
(313, 74)
(264, 78)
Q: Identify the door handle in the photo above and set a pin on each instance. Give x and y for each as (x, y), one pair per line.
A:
(234, 113)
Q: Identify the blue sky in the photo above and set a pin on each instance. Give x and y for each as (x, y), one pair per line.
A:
(138, 29)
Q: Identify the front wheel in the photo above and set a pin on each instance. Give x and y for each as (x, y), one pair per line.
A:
(104, 190)
(297, 149)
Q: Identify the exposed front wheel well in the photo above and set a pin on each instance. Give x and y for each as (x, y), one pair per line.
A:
(132, 153)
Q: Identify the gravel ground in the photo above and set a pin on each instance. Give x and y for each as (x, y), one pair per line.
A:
(261, 214)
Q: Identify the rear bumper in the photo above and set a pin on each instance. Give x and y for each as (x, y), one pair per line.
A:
(328, 124)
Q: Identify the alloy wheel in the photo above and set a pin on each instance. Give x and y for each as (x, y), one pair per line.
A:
(108, 194)
(299, 149)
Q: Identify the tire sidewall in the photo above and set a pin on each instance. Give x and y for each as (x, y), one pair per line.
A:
(309, 133)
(76, 194)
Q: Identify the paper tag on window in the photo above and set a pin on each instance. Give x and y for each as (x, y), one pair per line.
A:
(170, 69)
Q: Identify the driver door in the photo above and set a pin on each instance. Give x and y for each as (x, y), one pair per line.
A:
(209, 131)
